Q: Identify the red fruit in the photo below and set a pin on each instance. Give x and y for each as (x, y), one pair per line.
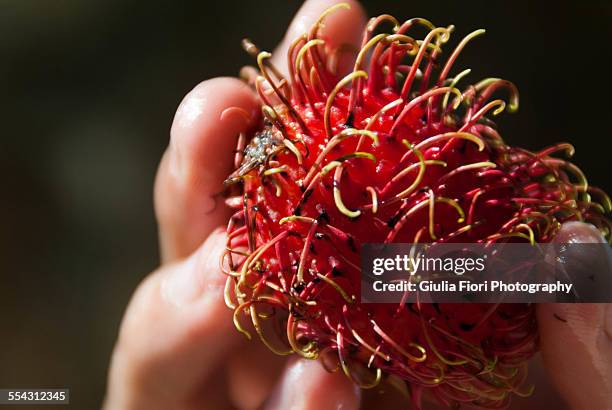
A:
(392, 154)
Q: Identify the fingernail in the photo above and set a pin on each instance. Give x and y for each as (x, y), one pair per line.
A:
(584, 257)
(579, 232)
(197, 274)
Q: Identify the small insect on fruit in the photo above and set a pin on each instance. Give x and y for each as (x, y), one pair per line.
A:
(264, 145)
(392, 152)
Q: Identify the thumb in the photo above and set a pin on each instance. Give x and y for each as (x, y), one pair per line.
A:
(576, 340)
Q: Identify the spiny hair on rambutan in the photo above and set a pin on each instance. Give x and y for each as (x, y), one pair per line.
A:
(392, 152)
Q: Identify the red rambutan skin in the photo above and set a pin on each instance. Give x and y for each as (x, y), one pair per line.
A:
(394, 153)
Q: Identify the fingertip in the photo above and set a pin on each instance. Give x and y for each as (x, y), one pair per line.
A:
(343, 26)
(305, 384)
(579, 232)
(200, 132)
(575, 337)
(220, 92)
(200, 156)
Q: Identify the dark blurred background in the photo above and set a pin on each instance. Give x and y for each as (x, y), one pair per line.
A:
(88, 90)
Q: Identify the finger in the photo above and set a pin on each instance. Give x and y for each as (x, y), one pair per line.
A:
(576, 340)
(252, 372)
(190, 177)
(176, 330)
(343, 26)
(305, 385)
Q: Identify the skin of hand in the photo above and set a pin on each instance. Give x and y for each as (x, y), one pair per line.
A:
(177, 347)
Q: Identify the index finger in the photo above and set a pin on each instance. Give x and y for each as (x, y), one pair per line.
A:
(343, 26)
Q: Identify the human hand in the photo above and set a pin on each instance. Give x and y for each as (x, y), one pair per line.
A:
(177, 347)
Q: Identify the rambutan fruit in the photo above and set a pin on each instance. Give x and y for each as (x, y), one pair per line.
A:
(392, 152)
